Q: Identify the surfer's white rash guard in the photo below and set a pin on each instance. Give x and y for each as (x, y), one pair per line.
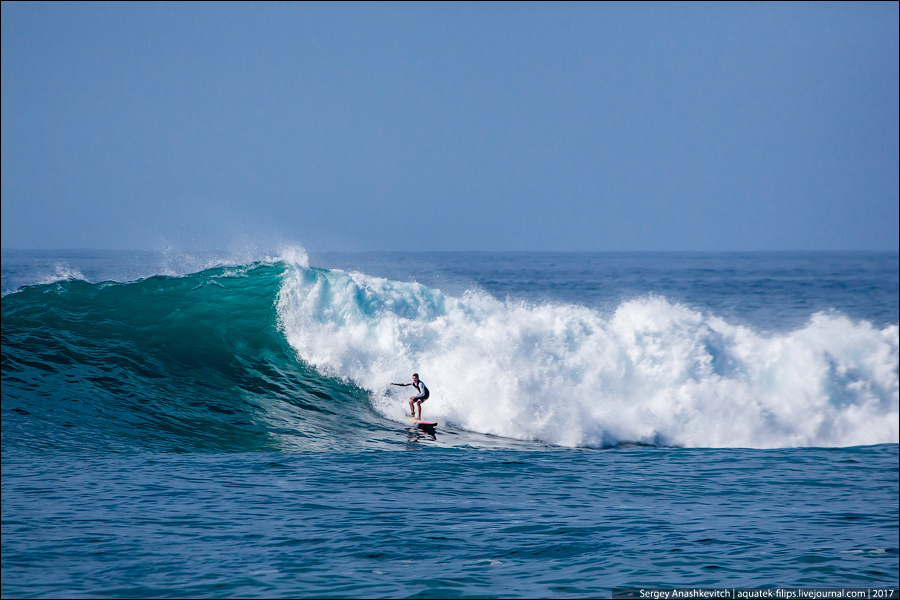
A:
(423, 391)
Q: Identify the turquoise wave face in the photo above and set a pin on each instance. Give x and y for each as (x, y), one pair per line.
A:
(174, 363)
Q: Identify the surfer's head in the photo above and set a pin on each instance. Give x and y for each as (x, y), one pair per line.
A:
(415, 377)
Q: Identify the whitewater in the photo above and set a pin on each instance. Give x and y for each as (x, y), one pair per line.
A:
(652, 372)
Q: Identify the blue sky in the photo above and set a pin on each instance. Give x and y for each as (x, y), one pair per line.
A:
(451, 126)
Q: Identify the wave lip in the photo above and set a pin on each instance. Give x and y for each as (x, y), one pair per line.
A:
(652, 372)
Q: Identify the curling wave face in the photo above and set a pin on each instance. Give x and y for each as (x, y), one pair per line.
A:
(651, 372)
(187, 363)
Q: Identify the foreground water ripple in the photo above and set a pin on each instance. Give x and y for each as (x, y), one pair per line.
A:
(440, 522)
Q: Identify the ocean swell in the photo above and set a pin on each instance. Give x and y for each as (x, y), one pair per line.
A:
(277, 355)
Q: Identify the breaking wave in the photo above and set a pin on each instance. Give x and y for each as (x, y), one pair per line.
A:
(277, 354)
(652, 372)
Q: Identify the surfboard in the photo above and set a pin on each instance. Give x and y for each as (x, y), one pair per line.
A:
(420, 423)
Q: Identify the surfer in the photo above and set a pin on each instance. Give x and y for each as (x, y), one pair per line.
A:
(420, 398)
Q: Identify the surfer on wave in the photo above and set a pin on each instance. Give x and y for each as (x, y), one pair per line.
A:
(420, 398)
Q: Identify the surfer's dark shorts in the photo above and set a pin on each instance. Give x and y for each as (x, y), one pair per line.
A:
(423, 398)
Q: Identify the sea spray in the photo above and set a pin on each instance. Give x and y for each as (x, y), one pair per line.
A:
(653, 371)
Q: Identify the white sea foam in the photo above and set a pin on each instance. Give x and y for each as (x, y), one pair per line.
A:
(652, 372)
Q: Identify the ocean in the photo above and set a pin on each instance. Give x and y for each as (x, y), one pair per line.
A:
(179, 425)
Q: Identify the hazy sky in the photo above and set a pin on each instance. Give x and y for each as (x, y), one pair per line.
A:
(451, 126)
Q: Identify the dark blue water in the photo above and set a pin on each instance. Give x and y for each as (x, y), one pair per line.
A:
(229, 432)
(441, 522)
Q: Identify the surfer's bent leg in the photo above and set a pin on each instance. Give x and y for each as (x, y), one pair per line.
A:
(417, 400)
(421, 400)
